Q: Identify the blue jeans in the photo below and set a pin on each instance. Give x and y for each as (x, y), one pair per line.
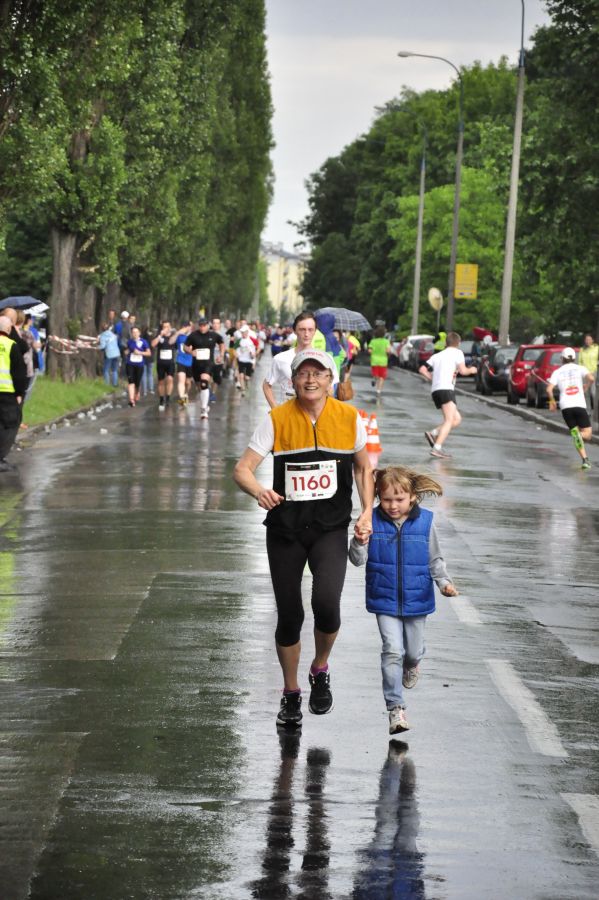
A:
(111, 370)
(147, 381)
(403, 646)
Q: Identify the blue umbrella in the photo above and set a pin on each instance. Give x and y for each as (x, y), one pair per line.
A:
(346, 319)
(18, 302)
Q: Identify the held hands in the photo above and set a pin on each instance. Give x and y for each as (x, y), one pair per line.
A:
(449, 590)
(363, 528)
(268, 499)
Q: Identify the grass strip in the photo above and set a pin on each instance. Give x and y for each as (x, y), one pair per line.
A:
(52, 398)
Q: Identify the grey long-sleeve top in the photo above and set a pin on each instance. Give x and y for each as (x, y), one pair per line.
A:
(358, 554)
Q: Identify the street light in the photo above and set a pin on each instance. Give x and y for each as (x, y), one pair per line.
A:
(510, 230)
(418, 262)
(458, 181)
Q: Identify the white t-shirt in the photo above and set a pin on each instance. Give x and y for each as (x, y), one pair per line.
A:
(445, 365)
(246, 351)
(280, 372)
(263, 438)
(570, 380)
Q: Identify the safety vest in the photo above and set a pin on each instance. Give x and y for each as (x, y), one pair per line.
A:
(6, 382)
(297, 440)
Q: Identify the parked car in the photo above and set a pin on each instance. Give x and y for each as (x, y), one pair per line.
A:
(539, 375)
(470, 349)
(422, 349)
(524, 360)
(406, 346)
(494, 368)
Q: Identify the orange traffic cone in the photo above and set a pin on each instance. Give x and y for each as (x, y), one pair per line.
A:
(373, 443)
(364, 416)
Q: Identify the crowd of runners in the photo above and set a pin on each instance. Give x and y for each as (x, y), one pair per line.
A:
(319, 448)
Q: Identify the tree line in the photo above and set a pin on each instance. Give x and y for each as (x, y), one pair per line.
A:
(364, 201)
(134, 154)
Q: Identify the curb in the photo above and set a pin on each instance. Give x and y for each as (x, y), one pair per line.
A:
(521, 412)
(33, 430)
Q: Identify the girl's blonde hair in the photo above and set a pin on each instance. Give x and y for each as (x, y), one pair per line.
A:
(413, 483)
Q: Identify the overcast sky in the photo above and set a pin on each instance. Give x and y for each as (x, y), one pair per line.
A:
(333, 61)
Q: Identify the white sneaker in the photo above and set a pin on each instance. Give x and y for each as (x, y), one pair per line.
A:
(410, 677)
(204, 414)
(397, 720)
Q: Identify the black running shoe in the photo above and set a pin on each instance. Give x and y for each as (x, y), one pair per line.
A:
(290, 713)
(321, 698)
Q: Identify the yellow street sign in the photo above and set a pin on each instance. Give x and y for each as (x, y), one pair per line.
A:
(466, 281)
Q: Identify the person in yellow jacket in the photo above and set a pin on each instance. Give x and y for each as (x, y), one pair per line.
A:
(588, 357)
(319, 448)
(13, 384)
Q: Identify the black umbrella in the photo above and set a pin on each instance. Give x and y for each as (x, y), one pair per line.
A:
(18, 302)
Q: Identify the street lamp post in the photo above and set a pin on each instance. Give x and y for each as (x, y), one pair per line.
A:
(458, 182)
(510, 230)
(418, 262)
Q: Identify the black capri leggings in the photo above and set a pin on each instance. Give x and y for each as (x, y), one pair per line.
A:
(326, 554)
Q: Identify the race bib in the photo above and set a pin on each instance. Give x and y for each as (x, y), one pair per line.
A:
(135, 357)
(166, 354)
(310, 481)
(203, 353)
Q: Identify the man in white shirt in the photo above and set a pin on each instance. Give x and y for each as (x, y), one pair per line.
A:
(441, 370)
(573, 381)
(246, 357)
(304, 327)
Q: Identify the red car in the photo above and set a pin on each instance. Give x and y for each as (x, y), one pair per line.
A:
(544, 367)
(524, 360)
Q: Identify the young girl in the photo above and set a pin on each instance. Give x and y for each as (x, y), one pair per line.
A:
(402, 558)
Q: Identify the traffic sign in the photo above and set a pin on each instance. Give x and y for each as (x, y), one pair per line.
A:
(466, 281)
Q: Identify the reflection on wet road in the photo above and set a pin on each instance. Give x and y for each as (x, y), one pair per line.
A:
(139, 684)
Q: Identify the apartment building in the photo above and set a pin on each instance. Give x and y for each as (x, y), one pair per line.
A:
(285, 271)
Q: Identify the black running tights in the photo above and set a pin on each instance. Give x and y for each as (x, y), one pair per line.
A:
(326, 555)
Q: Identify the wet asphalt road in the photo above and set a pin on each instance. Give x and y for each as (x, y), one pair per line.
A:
(139, 685)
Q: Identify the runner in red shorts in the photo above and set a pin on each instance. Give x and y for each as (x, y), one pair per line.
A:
(379, 349)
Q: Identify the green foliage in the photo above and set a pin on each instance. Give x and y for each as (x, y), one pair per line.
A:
(560, 179)
(26, 261)
(363, 204)
(143, 129)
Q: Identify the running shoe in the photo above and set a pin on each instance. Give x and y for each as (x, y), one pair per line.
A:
(430, 438)
(397, 720)
(585, 464)
(290, 711)
(321, 698)
(410, 677)
(440, 454)
(204, 414)
(161, 407)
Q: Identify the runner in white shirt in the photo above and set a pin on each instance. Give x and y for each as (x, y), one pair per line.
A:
(304, 327)
(246, 354)
(441, 370)
(573, 381)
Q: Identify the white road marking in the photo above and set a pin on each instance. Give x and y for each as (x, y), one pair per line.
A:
(586, 807)
(541, 733)
(465, 610)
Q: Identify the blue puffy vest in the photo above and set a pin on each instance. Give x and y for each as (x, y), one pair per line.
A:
(398, 580)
